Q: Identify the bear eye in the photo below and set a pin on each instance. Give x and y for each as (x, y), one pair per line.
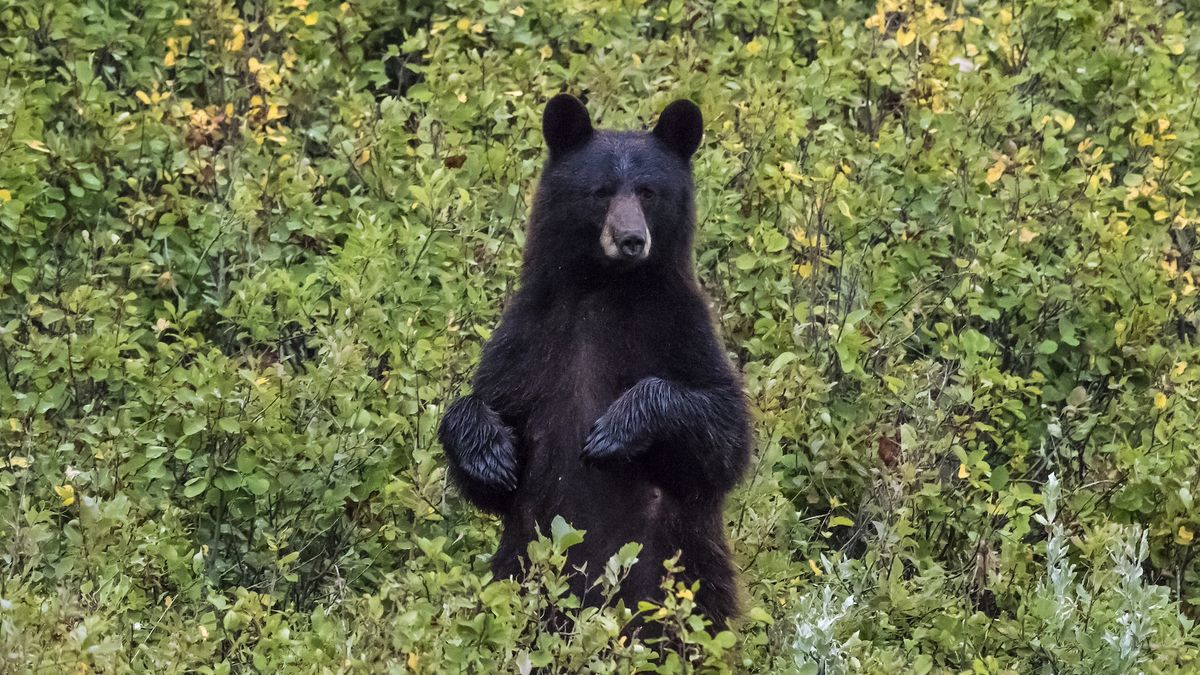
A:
(645, 193)
(603, 193)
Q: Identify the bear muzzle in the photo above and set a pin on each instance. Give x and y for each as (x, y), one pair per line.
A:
(625, 236)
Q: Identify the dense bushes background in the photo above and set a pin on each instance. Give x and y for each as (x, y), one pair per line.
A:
(249, 250)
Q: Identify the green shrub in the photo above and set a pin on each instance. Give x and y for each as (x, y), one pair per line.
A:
(248, 251)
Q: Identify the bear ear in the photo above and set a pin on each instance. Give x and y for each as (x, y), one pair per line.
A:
(565, 124)
(681, 126)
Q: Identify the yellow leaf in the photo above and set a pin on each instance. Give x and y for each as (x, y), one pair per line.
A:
(300, 4)
(412, 661)
(1065, 120)
(344, 7)
(5, 196)
(310, 19)
(19, 462)
(464, 24)
(203, 632)
(962, 471)
(517, 11)
(238, 41)
(813, 566)
(685, 593)
(1144, 139)
(753, 47)
(1184, 536)
(477, 28)
(1163, 124)
(803, 270)
(996, 171)
(66, 493)
(462, 98)
(955, 26)
(363, 157)
(183, 22)
(905, 36)
(1160, 216)
(253, 65)
(1177, 48)
(545, 51)
(1160, 401)
(801, 236)
(169, 59)
(1026, 235)
(141, 96)
(1179, 368)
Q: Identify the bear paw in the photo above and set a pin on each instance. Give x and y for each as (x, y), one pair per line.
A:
(479, 445)
(607, 442)
(492, 462)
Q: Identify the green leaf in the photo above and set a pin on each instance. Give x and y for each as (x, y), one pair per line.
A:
(91, 182)
(194, 425)
(257, 485)
(195, 486)
(746, 261)
(563, 535)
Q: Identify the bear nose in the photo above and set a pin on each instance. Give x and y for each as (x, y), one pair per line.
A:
(631, 245)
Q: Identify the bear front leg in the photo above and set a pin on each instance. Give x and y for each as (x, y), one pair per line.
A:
(481, 453)
(704, 434)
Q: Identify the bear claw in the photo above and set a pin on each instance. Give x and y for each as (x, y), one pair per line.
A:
(605, 444)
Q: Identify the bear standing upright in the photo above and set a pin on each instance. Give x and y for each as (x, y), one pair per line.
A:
(604, 396)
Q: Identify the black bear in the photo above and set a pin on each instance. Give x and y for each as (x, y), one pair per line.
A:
(604, 395)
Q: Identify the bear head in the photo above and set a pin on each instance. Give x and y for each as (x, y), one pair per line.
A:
(609, 202)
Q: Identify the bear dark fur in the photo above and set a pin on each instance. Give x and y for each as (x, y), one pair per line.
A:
(604, 396)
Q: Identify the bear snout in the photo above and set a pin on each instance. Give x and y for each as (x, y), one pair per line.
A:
(631, 245)
(625, 236)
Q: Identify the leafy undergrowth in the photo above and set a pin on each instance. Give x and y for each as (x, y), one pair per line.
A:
(249, 251)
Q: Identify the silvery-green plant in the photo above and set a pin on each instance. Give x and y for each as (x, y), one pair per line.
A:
(1119, 599)
(816, 647)
(1060, 587)
(1139, 601)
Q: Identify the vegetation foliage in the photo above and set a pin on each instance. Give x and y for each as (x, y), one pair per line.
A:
(249, 251)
